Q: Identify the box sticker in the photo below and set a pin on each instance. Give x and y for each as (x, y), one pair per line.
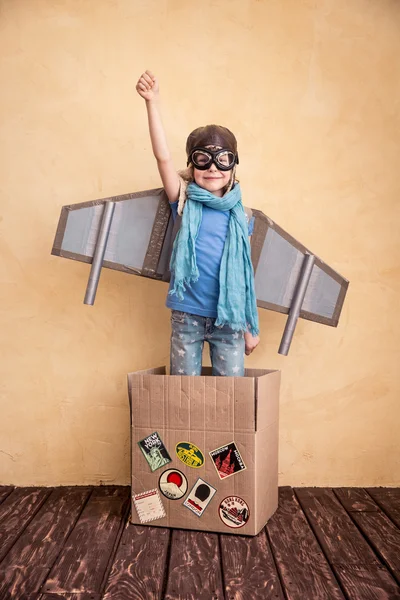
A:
(190, 454)
(227, 460)
(173, 484)
(148, 506)
(154, 451)
(234, 512)
(200, 497)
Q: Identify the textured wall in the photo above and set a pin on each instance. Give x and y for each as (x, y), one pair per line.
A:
(311, 89)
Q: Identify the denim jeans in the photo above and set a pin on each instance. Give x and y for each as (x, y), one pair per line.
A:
(189, 332)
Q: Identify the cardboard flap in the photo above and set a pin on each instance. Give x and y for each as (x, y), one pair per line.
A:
(267, 399)
(154, 371)
(191, 403)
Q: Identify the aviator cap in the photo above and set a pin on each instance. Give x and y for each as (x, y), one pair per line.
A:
(211, 135)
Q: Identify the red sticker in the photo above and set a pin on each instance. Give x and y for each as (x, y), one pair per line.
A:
(173, 484)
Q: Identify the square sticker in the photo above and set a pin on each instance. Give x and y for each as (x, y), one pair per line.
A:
(199, 497)
(148, 506)
(154, 451)
(227, 460)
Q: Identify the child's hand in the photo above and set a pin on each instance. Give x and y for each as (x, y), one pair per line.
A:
(147, 86)
(250, 342)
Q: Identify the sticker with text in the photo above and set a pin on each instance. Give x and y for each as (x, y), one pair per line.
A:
(200, 497)
(190, 454)
(154, 451)
(227, 460)
(234, 512)
(173, 484)
(148, 506)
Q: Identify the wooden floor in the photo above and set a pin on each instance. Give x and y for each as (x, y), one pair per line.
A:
(77, 543)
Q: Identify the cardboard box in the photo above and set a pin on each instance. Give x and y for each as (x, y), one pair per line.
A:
(217, 435)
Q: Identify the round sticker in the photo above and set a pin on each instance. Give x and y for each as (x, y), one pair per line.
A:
(173, 484)
(190, 454)
(234, 512)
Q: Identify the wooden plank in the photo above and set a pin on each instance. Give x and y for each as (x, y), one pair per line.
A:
(384, 537)
(355, 499)
(83, 596)
(138, 568)
(84, 561)
(345, 548)
(5, 490)
(194, 571)
(380, 531)
(335, 531)
(15, 513)
(362, 583)
(389, 501)
(304, 570)
(29, 561)
(249, 569)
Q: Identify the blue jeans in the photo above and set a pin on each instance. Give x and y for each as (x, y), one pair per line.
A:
(189, 332)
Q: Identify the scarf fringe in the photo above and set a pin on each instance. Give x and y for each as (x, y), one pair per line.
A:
(181, 285)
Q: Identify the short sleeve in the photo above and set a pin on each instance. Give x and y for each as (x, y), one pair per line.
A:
(174, 209)
(251, 225)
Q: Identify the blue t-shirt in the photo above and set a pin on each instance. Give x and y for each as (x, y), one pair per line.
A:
(202, 297)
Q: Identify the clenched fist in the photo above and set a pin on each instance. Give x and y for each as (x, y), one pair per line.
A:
(251, 342)
(147, 86)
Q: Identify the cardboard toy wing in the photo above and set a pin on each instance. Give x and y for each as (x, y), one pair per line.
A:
(134, 233)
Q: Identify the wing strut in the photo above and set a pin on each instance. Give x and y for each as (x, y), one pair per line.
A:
(297, 301)
(99, 252)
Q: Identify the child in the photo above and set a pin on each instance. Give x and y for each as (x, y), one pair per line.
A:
(211, 292)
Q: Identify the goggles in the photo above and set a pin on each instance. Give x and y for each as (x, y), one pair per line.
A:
(203, 158)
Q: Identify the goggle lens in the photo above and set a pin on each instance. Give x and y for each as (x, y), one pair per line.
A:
(201, 159)
(226, 159)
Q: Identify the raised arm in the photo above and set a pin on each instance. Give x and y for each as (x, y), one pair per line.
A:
(147, 87)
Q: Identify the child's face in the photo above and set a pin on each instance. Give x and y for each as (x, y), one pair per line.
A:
(212, 179)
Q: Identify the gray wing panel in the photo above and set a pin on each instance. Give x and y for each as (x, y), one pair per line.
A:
(277, 274)
(129, 234)
(322, 294)
(140, 241)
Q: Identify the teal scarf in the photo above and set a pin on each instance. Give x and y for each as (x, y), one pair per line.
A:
(237, 305)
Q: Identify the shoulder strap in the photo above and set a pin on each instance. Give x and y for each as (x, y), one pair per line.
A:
(178, 220)
(175, 229)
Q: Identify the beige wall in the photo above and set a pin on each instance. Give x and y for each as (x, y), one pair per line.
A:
(311, 89)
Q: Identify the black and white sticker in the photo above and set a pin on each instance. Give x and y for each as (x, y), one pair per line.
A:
(200, 497)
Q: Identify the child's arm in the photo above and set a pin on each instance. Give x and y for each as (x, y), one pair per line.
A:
(147, 87)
